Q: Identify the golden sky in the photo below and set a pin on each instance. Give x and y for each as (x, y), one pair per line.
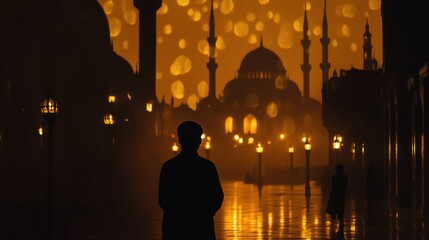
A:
(182, 48)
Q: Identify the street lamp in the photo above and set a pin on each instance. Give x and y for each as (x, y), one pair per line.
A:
(49, 109)
(291, 150)
(175, 149)
(307, 148)
(207, 147)
(337, 146)
(259, 150)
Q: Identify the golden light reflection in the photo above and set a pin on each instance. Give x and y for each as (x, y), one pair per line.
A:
(149, 107)
(263, 2)
(334, 43)
(307, 6)
(108, 119)
(277, 18)
(270, 14)
(206, 27)
(250, 124)
(251, 140)
(229, 125)
(40, 131)
(178, 89)
(111, 99)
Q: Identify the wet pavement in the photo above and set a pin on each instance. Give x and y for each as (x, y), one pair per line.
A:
(283, 212)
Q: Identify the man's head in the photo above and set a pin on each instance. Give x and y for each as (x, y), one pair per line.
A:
(340, 168)
(189, 134)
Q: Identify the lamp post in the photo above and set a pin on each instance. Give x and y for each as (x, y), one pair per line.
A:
(49, 109)
(259, 150)
(207, 147)
(307, 148)
(291, 150)
(175, 149)
(336, 146)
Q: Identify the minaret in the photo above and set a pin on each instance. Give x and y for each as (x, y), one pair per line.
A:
(325, 65)
(306, 67)
(367, 48)
(147, 47)
(212, 65)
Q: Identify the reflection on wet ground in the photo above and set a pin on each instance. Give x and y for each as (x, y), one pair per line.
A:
(281, 212)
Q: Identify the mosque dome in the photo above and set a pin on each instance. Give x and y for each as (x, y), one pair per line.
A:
(261, 59)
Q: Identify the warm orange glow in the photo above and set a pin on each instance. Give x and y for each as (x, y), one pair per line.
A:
(336, 144)
(111, 99)
(108, 119)
(49, 105)
(236, 137)
(40, 131)
(291, 149)
(240, 140)
(229, 125)
(175, 148)
(282, 136)
(203, 136)
(250, 124)
(250, 140)
(259, 148)
(207, 145)
(307, 145)
(149, 107)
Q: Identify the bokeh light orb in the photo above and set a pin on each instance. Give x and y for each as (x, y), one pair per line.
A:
(229, 26)
(182, 43)
(250, 17)
(203, 89)
(115, 26)
(197, 16)
(252, 39)
(203, 47)
(334, 43)
(345, 30)
(168, 28)
(259, 26)
(280, 81)
(163, 9)
(374, 5)
(130, 16)
(125, 44)
(183, 3)
(181, 65)
(178, 89)
(241, 29)
(108, 7)
(285, 40)
(159, 75)
(272, 110)
(317, 31)
(264, 2)
(298, 25)
(353, 47)
(349, 10)
(192, 102)
(276, 18)
(220, 43)
(227, 6)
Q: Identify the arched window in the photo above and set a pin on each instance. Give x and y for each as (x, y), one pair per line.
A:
(250, 124)
(229, 125)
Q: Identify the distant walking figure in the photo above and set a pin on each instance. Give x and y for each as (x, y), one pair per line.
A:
(190, 192)
(337, 198)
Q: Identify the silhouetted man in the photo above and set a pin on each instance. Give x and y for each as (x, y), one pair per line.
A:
(190, 192)
(337, 198)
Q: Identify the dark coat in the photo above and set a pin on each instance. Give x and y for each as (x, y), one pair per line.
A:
(190, 194)
(337, 198)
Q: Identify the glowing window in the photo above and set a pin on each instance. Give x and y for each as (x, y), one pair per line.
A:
(229, 125)
(250, 124)
(112, 99)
